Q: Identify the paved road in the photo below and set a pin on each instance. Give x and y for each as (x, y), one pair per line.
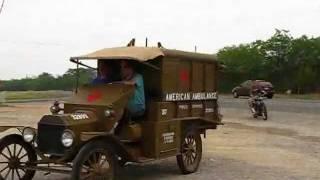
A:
(287, 146)
(280, 105)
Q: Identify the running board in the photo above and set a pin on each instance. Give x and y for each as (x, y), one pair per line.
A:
(145, 160)
(47, 169)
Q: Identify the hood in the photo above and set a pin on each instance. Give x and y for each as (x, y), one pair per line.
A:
(235, 88)
(266, 84)
(66, 120)
(103, 95)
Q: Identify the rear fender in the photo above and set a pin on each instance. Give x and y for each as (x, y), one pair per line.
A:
(198, 123)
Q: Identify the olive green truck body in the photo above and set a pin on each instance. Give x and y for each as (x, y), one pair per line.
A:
(181, 103)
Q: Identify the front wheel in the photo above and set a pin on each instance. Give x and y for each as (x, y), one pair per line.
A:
(96, 160)
(235, 94)
(191, 152)
(15, 154)
(253, 110)
(264, 112)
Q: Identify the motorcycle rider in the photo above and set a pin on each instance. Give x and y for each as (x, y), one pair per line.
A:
(254, 94)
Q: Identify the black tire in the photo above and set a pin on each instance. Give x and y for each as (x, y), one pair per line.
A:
(95, 153)
(254, 111)
(15, 153)
(264, 112)
(270, 96)
(190, 157)
(122, 162)
(235, 94)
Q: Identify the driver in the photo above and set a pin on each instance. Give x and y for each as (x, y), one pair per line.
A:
(105, 72)
(136, 104)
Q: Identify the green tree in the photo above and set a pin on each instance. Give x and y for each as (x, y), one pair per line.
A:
(242, 62)
(289, 63)
(46, 81)
(305, 56)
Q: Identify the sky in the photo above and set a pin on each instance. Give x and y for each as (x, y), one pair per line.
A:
(40, 35)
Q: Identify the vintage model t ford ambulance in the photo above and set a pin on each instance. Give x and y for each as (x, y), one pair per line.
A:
(91, 135)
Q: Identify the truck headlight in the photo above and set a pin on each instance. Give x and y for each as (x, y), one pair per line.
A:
(67, 138)
(108, 112)
(55, 108)
(28, 134)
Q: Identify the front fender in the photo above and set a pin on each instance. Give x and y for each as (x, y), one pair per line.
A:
(4, 128)
(199, 123)
(108, 138)
(235, 89)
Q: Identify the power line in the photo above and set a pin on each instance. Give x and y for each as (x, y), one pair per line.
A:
(1, 7)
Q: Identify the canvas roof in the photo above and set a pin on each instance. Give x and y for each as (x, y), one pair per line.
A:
(142, 54)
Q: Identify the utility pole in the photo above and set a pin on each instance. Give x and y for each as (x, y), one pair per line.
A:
(2, 4)
(2, 97)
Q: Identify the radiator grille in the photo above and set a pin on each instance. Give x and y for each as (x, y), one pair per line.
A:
(49, 139)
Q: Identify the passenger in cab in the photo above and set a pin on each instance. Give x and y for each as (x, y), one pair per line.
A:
(105, 72)
(136, 105)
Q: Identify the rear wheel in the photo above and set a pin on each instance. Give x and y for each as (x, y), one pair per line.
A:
(270, 96)
(15, 153)
(96, 160)
(191, 152)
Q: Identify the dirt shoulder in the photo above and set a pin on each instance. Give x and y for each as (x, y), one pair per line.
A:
(287, 146)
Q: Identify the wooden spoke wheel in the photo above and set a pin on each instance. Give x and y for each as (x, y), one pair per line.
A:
(95, 161)
(191, 152)
(15, 154)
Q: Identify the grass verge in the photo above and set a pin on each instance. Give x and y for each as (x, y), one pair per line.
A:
(26, 95)
(299, 96)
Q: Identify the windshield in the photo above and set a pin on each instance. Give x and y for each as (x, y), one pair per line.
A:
(107, 72)
(96, 72)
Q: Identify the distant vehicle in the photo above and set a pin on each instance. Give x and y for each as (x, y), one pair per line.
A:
(245, 88)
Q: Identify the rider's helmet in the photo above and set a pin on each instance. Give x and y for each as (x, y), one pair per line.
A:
(256, 91)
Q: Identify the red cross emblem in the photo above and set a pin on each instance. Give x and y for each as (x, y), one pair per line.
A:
(94, 95)
(184, 77)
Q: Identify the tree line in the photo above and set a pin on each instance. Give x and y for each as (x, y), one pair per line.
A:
(288, 63)
(46, 81)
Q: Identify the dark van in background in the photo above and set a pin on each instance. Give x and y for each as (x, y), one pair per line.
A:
(245, 88)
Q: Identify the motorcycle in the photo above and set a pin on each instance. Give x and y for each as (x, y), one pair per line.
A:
(257, 106)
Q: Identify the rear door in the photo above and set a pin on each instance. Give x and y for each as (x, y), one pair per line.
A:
(244, 90)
